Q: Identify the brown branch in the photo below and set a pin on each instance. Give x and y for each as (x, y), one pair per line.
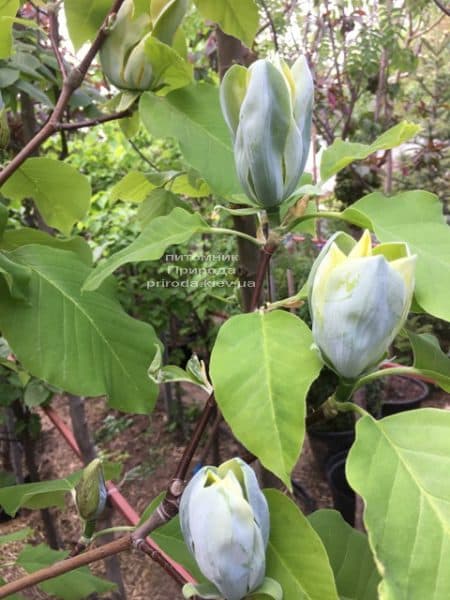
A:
(92, 122)
(70, 83)
(445, 9)
(271, 24)
(64, 566)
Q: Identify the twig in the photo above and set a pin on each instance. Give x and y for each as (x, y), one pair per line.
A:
(92, 122)
(168, 508)
(54, 38)
(445, 9)
(64, 566)
(142, 155)
(71, 82)
(271, 23)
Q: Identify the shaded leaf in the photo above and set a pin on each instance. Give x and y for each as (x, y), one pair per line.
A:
(429, 358)
(61, 193)
(350, 556)
(193, 117)
(296, 557)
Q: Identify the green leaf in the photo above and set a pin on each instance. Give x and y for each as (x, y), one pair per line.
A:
(190, 184)
(201, 590)
(193, 116)
(400, 467)
(36, 393)
(16, 536)
(268, 589)
(3, 212)
(296, 557)
(74, 585)
(84, 18)
(82, 343)
(16, 277)
(170, 71)
(37, 495)
(261, 369)
(429, 358)
(15, 238)
(416, 218)
(61, 193)
(8, 10)
(159, 202)
(238, 18)
(175, 228)
(340, 153)
(8, 76)
(134, 187)
(350, 556)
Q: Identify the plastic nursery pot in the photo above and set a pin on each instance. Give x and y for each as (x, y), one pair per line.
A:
(402, 393)
(344, 498)
(327, 442)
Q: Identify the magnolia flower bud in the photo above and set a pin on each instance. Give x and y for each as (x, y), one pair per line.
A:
(91, 492)
(122, 45)
(123, 54)
(359, 301)
(268, 109)
(225, 524)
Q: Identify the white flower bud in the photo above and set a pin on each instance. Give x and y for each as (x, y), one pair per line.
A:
(225, 523)
(268, 109)
(359, 302)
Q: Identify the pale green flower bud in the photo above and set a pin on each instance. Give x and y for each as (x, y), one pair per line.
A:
(359, 301)
(225, 523)
(123, 44)
(268, 109)
(91, 492)
(123, 55)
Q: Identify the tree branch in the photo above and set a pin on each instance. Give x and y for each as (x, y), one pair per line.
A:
(70, 83)
(92, 122)
(54, 38)
(64, 566)
(445, 9)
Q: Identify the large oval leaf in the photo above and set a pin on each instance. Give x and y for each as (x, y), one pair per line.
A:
(262, 366)
(83, 343)
(296, 557)
(400, 466)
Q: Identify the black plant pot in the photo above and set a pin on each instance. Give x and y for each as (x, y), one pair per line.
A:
(402, 394)
(326, 444)
(344, 498)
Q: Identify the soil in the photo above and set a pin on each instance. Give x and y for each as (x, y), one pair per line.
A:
(144, 442)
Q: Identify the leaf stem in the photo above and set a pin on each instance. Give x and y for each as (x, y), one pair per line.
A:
(240, 234)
